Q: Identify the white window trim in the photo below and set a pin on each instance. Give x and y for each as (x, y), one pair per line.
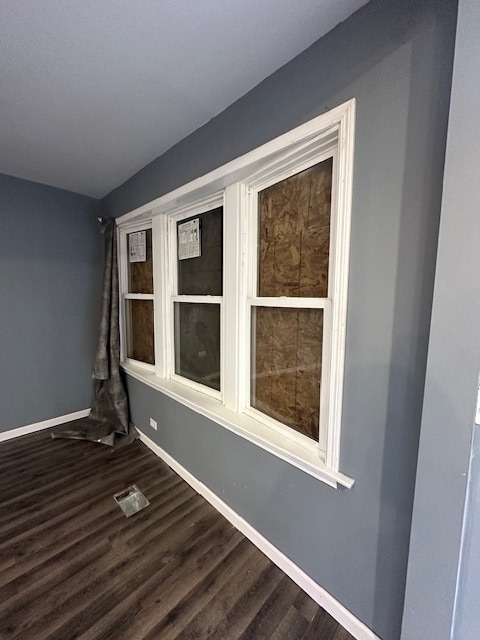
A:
(124, 286)
(331, 134)
(170, 247)
(257, 183)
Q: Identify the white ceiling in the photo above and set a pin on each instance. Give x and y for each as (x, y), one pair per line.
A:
(93, 90)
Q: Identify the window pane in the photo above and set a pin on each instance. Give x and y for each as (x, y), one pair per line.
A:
(294, 234)
(139, 315)
(140, 274)
(286, 366)
(202, 275)
(197, 342)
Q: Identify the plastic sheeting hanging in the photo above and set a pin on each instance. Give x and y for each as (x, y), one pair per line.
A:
(109, 413)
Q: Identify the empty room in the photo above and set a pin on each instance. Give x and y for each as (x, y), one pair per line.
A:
(239, 310)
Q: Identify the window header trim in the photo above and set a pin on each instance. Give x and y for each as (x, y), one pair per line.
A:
(332, 127)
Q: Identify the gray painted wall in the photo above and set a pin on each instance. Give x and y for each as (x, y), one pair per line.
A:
(50, 279)
(467, 611)
(452, 374)
(395, 58)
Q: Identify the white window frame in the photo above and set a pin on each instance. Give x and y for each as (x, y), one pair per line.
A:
(255, 186)
(172, 295)
(126, 295)
(235, 186)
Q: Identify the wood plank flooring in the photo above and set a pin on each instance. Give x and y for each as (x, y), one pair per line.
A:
(73, 567)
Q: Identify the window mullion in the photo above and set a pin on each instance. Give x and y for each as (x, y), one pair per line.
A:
(233, 291)
(250, 269)
(171, 289)
(159, 244)
(122, 277)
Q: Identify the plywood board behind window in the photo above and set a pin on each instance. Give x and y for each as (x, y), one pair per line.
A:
(294, 234)
(287, 362)
(141, 344)
(293, 261)
(140, 274)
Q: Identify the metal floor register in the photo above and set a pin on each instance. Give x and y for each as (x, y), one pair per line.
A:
(131, 501)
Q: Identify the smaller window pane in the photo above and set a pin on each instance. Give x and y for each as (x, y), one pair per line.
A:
(202, 275)
(140, 339)
(140, 274)
(197, 343)
(286, 366)
(294, 234)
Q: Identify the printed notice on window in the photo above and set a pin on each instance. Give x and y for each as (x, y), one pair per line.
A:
(137, 246)
(189, 239)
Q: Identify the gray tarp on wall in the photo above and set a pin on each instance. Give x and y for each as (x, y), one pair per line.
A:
(109, 413)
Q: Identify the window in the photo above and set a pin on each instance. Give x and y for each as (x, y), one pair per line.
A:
(138, 297)
(247, 324)
(197, 289)
(289, 298)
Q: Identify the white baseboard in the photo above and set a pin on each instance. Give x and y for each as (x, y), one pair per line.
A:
(45, 424)
(352, 624)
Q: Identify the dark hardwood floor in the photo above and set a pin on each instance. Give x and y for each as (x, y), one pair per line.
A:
(72, 566)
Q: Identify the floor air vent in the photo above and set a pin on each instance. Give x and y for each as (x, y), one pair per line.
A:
(131, 501)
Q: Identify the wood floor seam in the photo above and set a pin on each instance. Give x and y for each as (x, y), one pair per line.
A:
(72, 567)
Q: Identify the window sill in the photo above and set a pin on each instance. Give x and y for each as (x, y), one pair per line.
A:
(304, 457)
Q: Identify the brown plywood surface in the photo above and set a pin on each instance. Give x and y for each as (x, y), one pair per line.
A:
(140, 274)
(286, 371)
(141, 340)
(294, 234)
